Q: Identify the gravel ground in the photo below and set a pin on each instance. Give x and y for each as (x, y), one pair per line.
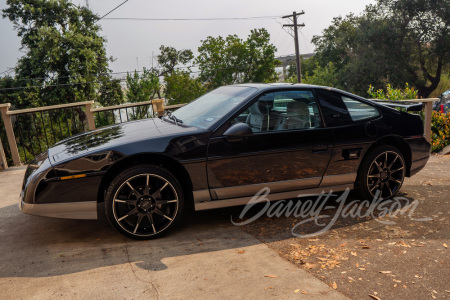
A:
(403, 255)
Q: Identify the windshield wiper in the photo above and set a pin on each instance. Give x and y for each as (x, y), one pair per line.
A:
(172, 117)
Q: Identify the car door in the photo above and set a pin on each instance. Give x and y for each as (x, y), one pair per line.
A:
(356, 125)
(288, 151)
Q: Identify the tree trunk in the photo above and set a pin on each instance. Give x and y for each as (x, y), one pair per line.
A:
(425, 91)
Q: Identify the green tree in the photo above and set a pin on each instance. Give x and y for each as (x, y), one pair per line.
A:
(308, 68)
(179, 86)
(260, 59)
(170, 57)
(182, 88)
(110, 92)
(393, 41)
(232, 60)
(142, 86)
(325, 76)
(63, 52)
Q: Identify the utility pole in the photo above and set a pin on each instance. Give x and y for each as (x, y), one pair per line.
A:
(297, 51)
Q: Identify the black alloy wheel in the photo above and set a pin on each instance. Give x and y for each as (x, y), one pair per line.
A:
(382, 173)
(144, 202)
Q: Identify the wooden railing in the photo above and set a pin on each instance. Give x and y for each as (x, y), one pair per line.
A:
(31, 131)
(53, 123)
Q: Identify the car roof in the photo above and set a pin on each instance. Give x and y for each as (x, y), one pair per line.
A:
(281, 85)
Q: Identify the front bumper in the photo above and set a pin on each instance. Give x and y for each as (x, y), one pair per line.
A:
(35, 177)
(74, 210)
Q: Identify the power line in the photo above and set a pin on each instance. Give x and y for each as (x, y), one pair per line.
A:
(71, 76)
(7, 70)
(99, 81)
(283, 28)
(49, 85)
(304, 40)
(92, 74)
(277, 36)
(49, 16)
(113, 9)
(192, 19)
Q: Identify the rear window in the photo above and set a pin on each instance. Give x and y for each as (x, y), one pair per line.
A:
(334, 111)
(339, 110)
(358, 110)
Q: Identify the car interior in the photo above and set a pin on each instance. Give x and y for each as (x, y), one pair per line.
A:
(282, 111)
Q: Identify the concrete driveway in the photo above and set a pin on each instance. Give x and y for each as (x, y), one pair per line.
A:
(206, 258)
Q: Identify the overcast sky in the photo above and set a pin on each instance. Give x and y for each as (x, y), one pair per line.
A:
(132, 42)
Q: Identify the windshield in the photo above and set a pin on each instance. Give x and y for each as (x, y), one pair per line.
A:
(206, 111)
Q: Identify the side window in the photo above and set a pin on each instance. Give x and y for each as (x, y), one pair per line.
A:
(359, 110)
(283, 110)
(334, 111)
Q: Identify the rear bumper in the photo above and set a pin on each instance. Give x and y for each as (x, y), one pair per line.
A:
(418, 165)
(420, 153)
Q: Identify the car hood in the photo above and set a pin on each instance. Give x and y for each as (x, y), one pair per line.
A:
(114, 136)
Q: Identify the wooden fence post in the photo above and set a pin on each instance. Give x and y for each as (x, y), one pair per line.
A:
(158, 106)
(4, 108)
(3, 162)
(428, 112)
(90, 116)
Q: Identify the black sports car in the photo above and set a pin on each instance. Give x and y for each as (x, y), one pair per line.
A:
(223, 148)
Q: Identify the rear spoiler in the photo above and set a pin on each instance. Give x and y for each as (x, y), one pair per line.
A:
(407, 105)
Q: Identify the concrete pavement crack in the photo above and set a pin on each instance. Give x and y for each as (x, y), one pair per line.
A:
(137, 277)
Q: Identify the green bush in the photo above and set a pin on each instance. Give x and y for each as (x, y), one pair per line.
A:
(182, 88)
(440, 123)
(326, 76)
(393, 94)
(440, 131)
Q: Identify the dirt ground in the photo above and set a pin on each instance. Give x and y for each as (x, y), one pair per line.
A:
(403, 255)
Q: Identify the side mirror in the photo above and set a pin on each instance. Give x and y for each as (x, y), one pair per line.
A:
(238, 131)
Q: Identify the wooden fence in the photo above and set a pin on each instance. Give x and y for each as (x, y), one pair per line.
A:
(34, 130)
(31, 131)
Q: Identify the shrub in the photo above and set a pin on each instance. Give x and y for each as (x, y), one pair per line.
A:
(440, 131)
(182, 88)
(393, 94)
(440, 123)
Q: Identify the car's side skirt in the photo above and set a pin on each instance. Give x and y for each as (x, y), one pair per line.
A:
(72, 210)
(272, 197)
(275, 187)
(338, 179)
(201, 196)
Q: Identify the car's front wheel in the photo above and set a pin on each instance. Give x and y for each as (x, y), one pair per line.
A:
(144, 202)
(381, 173)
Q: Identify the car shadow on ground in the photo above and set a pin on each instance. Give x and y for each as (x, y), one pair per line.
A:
(59, 246)
(63, 246)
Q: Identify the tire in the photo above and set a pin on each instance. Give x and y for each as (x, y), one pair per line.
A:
(381, 173)
(144, 202)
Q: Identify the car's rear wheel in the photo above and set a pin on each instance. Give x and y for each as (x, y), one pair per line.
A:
(381, 173)
(143, 202)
